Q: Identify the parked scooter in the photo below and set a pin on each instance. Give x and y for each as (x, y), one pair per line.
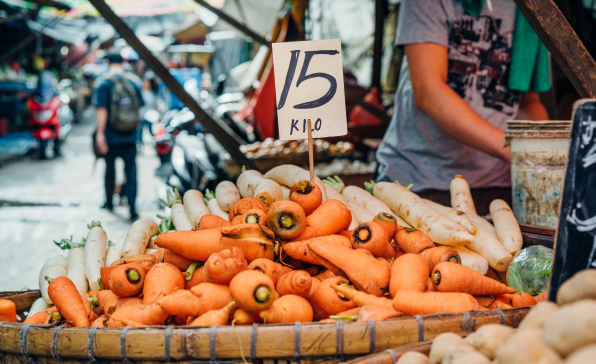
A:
(50, 117)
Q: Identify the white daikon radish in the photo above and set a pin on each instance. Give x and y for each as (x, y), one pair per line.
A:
(472, 260)
(407, 204)
(461, 196)
(54, 267)
(227, 195)
(177, 211)
(150, 251)
(39, 305)
(508, 231)
(76, 269)
(96, 246)
(370, 203)
(491, 249)
(285, 191)
(360, 213)
(195, 207)
(288, 174)
(251, 183)
(115, 251)
(459, 217)
(213, 206)
(138, 236)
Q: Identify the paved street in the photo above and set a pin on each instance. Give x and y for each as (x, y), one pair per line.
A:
(46, 200)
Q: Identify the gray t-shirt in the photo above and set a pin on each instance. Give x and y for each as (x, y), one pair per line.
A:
(414, 149)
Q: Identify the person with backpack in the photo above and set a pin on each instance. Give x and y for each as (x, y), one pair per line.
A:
(117, 99)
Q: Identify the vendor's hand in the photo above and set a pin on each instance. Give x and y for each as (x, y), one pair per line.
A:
(100, 142)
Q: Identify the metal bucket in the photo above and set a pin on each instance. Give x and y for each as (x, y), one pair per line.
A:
(539, 152)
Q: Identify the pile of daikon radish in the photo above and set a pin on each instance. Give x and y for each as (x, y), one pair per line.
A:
(277, 248)
(552, 333)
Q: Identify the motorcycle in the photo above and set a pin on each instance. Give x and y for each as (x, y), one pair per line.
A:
(50, 117)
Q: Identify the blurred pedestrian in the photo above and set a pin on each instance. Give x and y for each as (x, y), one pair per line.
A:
(150, 98)
(117, 98)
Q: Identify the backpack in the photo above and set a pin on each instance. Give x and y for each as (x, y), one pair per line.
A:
(125, 106)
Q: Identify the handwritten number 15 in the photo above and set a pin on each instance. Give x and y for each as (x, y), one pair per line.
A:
(303, 77)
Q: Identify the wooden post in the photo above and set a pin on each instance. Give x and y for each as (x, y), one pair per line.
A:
(564, 45)
(380, 6)
(222, 132)
(311, 152)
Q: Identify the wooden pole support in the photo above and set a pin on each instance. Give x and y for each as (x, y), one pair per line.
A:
(563, 44)
(222, 132)
(311, 153)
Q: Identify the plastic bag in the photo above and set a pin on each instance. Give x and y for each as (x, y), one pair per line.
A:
(530, 270)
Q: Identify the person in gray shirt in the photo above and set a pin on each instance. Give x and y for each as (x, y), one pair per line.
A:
(453, 98)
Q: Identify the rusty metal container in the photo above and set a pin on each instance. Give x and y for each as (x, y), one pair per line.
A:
(539, 152)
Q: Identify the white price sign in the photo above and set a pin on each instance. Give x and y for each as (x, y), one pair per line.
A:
(309, 84)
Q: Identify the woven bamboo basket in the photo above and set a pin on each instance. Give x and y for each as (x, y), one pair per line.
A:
(226, 344)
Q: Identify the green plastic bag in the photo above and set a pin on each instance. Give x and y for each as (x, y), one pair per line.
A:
(530, 270)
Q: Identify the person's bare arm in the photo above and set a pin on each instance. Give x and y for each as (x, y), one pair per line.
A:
(427, 63)
(101, 114)
(530, 108)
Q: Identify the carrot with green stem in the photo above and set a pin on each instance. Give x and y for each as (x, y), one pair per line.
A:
(210, 221)
(372, 237)
(215, 317)
(68, 301)
(412, 240)
(426, 303)
(306, 194)
(288, 309)
(245, 204)
(296, 282)
(252, 291)
(326, 301)
(408, 272)
(451, 277)
(255, 216)
(362, 298)
(178, 212)
(440, 254)
(254, 240)
(299, 249)
(365, 272)
(213, 206)
(269, 268)
(8, 311)
(161, 280)
(226, 194)
(212, 296)
(286, 219)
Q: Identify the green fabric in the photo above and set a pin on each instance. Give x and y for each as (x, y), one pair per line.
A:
(529, 69)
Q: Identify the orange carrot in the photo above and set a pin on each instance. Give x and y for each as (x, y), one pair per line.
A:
(134, 259)
(370, 236)
(451, 277)
(288, 309)
(255, 216)
(166, 256)
(252, 291)
(412, 240)
(296, 282)
(286, 219)
(102, 321)
(491, 303)
(245, 204)
(505, 298)
(365, 272)
(197, 278)
(440, 254)
(389, 252)
(242, 317)
(308, 233)
(151, 314)
(254, 240)
(299, 249)
(326, 274)
(388, 223)
(8, 311)
(542, 297)
(181, 303)
(522, 299)
(211, 222)
(68, 301)
(215, 317)
(109, 302)
(306, 194)
(326, 301)
(364, 251)
(212, 296)
(329, 218)
(348, 313)
(315, 283)
(377, 313)
(221, 267)
(124, 280)
(237, 220)
(90, 300)
(269, 268)
(37, 319)
(361, 298)
(409, 272)
(426, 303)
(312, 270)
(347, 233)
(161, 280)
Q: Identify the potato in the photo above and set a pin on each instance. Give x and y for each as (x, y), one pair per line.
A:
(571, 327)
(471, 358)
(470, 338)
(585, 355)
(442, 344)
(538, 315)
(413, 357)
(527, 347)
(456, 352)
(489, 338)
(582, 285)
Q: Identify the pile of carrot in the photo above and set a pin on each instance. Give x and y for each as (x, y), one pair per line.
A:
(276, 248)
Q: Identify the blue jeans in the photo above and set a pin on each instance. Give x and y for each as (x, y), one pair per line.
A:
(128, 153)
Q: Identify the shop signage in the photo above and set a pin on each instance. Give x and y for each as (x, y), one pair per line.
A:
(575, 247)
(309, 85)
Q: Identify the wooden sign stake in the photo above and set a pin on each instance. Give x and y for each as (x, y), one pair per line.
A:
(311, 156)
